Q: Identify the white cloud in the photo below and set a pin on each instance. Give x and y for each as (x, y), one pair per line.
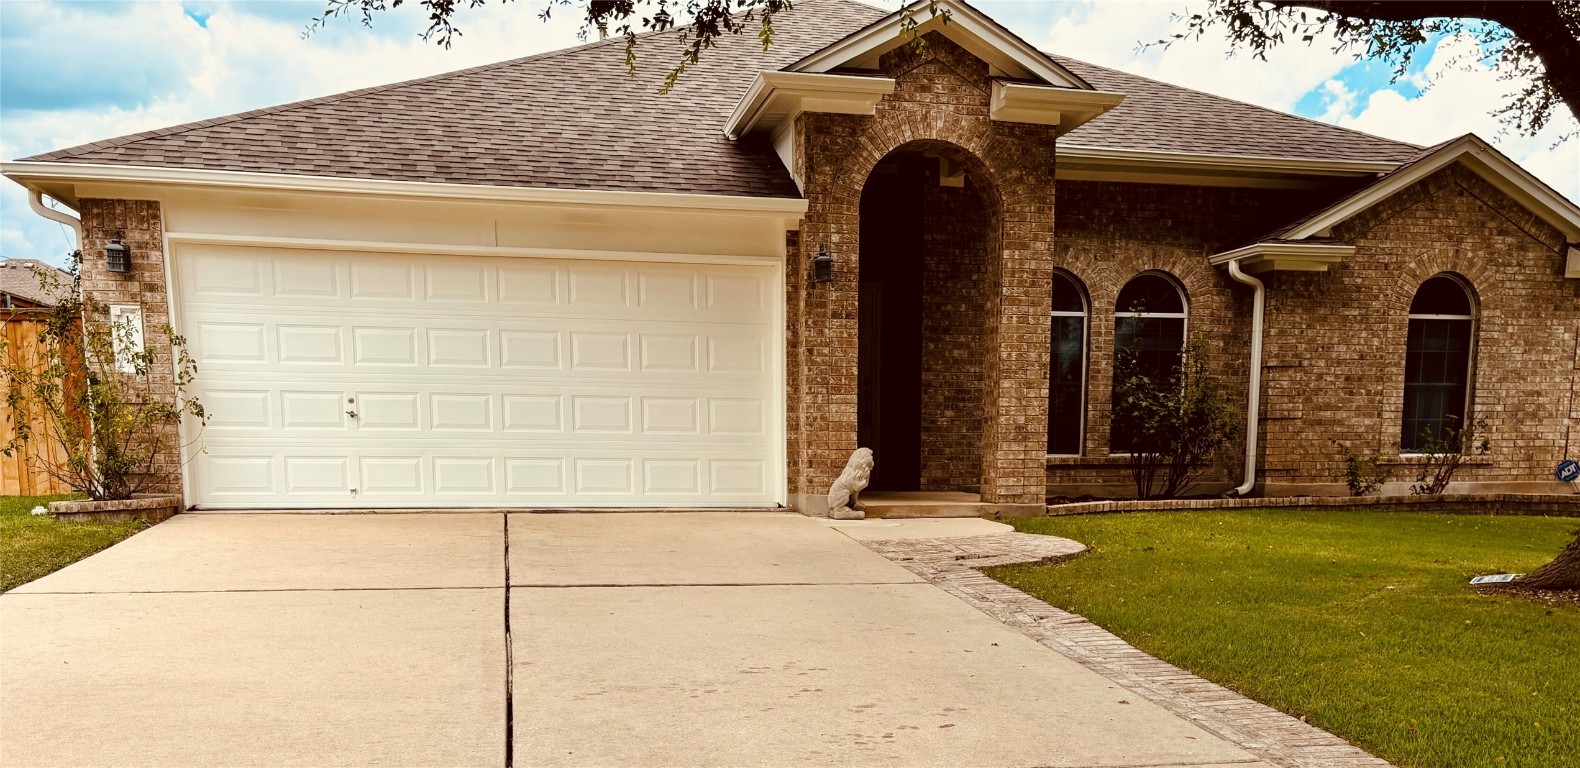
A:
(1110, 34)
(1460, 97)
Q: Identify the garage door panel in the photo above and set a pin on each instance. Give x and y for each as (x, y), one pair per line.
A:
(502, 348)
(507, 418)
(288, 476)
(369, 380)
(241, 277)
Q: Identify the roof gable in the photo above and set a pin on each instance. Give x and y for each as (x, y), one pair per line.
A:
(972, 30)
(1469, 150)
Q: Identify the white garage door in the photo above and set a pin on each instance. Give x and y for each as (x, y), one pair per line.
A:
(393, 380)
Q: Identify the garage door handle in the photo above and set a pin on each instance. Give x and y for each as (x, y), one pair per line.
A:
(352, 414)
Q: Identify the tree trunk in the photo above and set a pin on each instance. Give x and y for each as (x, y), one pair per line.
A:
(1563, 572)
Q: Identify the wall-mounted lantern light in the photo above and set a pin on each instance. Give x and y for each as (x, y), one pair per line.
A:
(823, 266)
(118, 256)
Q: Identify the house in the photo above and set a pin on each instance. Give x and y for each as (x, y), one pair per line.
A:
(541, 284)
(21, 286)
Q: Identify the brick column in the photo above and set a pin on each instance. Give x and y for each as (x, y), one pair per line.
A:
(140, 226)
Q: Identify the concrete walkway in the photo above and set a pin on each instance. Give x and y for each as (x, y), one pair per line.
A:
(545, 640)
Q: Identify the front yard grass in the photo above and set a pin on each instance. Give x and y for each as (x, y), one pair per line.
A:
(1360, 621)
(31, 546)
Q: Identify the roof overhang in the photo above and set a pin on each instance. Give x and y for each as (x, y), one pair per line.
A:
(1007, 54)
(775, 99)
(1086, 163)
(62, 181)
(1066, 108)
(1572, 262)
(1285, 257)
(1477, 155)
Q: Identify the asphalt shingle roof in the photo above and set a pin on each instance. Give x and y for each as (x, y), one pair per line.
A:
(573, 119)
(19, 277)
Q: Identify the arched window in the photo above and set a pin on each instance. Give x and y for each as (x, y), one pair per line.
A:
(1067, 367)
(1149, 334)
(1437, 361)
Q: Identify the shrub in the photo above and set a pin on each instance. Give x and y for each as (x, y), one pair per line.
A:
(95, 388)
(1364, 474)
(1177, 419)
(1446, 451)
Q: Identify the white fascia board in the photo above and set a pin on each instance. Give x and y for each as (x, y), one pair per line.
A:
(776, 97)
(1046, 105)
(1285, 257)
(36, 174)
(966, 25)
(1479, 157)
(1104, 157)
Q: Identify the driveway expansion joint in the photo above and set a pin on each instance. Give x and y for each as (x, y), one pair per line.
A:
(952, 565)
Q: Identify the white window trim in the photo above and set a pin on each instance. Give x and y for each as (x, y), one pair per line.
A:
(1184, 334)
(1085, 314)
(1470, 375)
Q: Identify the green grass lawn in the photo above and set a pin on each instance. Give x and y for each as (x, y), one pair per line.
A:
(1359, 620)
(31, 547)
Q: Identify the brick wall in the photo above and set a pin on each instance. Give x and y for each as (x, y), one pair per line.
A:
(958, 237)
(1109, 232)
(941, 101)
(139, 225)
(1335, 340)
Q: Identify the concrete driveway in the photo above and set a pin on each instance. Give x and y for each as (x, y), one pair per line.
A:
(541, 640)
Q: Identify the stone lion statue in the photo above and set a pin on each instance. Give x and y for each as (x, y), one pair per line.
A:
(843, 501)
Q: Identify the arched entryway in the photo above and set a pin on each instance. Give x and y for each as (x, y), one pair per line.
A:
(929, 251)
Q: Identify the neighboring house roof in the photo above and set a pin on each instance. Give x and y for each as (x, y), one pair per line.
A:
(19, 280)
(573, 119)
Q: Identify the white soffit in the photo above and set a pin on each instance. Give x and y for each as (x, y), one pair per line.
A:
(966, 26)
(1066, 108)
(1285, 257)
(775, 98)
(1572, 263)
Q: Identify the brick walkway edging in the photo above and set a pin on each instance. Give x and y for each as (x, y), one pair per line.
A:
(1270, 735)
(1567, 505)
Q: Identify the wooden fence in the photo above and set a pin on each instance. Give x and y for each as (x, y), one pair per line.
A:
(18, 473)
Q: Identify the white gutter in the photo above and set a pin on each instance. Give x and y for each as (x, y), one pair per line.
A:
(31, 173)
(1253, 406)
(35, 200)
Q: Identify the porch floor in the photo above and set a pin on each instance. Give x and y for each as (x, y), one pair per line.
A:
(941, 504)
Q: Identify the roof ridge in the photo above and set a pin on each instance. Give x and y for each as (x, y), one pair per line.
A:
(1239, 101)
(209, 122)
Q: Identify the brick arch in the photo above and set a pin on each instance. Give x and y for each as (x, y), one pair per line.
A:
(1472, 271)
(941, 101)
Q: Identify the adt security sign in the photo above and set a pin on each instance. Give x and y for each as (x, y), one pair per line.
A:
(1568, 471)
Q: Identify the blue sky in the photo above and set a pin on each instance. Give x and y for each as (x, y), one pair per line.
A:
(74, 71)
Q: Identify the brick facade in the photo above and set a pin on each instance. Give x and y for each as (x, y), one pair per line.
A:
(1335, 341)
(940, 104)
(140, 226)
(1333, 367)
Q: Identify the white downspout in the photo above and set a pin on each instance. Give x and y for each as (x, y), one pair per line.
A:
(35, 200)
(1258, 302)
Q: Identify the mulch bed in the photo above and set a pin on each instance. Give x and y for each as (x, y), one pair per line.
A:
(1570, 597)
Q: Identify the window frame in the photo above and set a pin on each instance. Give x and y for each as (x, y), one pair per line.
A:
(1183, 316)
(1085, 314)
(1471, 353)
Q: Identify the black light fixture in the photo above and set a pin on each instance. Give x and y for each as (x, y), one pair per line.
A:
(118, 256)
(823, 266)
